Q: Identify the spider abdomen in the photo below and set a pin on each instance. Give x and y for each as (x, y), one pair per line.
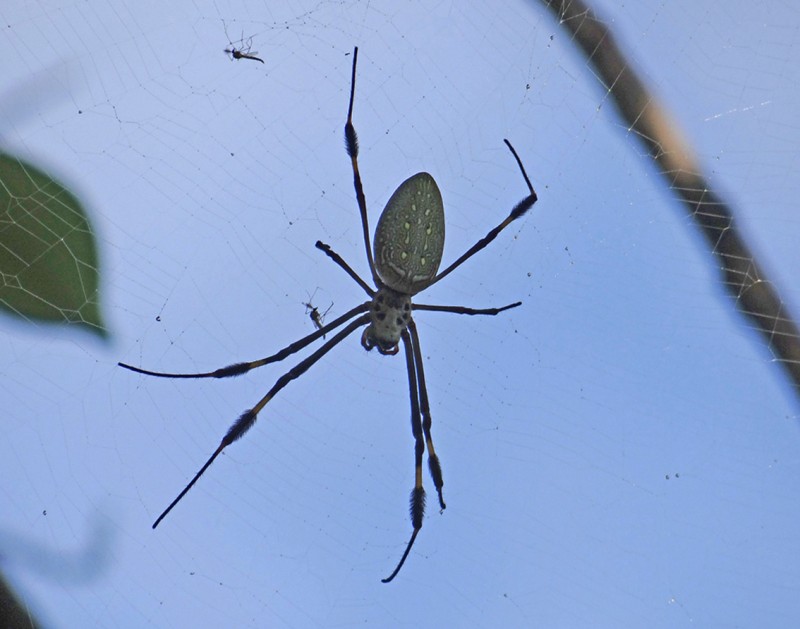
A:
(409, 237)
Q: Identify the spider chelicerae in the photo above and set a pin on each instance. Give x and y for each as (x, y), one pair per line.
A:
(408, 245)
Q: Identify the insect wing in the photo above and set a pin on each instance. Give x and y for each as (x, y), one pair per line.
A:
(410, 235)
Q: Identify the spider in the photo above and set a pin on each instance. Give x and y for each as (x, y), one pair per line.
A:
(405, 259)
(243, 52)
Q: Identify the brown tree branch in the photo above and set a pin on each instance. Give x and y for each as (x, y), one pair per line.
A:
(756, 297)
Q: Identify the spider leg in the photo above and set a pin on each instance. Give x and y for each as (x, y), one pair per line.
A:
(351, 144)
(519, 209)
(465, 310)
(248, 418)
(433, 461)
(346, 267)
(417, 501)
(238, 369)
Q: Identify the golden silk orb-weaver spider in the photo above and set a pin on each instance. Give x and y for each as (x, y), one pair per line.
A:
(403, 261)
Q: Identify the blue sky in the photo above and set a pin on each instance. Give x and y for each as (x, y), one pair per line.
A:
(619, 451)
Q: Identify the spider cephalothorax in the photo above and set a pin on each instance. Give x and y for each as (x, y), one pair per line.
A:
(409, 240)
(389, 313)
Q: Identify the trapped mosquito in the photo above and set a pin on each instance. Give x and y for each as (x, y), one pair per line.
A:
(244, 52)
(403, 261)
(317, 317)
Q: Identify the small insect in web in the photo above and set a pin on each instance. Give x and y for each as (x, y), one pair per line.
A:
(317, 317)
(244, 52)
(403, 261)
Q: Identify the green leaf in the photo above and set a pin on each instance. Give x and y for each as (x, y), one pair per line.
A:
(48, 255)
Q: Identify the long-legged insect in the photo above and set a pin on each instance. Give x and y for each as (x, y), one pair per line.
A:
(314, 314)
(244, 52)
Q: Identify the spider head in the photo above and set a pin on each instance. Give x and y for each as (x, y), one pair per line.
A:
(390, 313)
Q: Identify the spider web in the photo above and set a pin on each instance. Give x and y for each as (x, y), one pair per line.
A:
(620, 450)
